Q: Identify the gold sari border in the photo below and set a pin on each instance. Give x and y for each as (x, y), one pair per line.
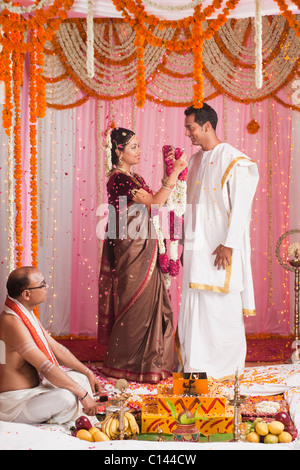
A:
(143, 285)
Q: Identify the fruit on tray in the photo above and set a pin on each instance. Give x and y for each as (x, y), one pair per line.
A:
(85, 431)
(271, 432)
(111, 425)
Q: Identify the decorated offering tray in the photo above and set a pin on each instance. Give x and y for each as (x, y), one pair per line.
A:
(267, 407)
(267, 420)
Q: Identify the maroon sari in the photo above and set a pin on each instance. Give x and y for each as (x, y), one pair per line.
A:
(135, 315)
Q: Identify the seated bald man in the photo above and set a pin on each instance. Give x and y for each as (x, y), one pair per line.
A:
(33, 386)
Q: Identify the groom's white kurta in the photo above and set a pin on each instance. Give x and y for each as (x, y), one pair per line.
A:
(220, 189)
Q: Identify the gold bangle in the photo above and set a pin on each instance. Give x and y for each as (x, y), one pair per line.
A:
(166, 185)
(134, 191)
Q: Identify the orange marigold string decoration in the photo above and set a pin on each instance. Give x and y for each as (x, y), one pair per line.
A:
(290, 17)
(198, 41)
(33, 154)
(26, 34)
(140, 76)
(17, 75)
(134, 13)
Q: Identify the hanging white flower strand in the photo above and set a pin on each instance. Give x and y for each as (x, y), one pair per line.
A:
(258, 46)
(90, 39)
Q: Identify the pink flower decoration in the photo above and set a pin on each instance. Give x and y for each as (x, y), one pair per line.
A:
(164, 262)
(174, 267)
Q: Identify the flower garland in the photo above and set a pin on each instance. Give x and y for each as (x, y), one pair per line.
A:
(258, 45)
(194, 43)
(17, 75)
(289, 16)
(35, 59)
(198, 41)
(169, 74)
(176, 204)
(107, 147)
(19, 35)
(140, 76)
(90, 40)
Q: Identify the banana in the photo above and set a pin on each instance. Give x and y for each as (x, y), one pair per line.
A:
(132, 423)
(126, 423)
(111, 425)
(114, 428)
(105, 424)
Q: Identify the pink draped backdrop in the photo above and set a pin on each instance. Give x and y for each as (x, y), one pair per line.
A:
(75, 268)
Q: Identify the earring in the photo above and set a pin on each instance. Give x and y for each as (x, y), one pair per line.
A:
(120, 161)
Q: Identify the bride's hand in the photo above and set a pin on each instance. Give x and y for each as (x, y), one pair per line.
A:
(180, 164)
(170, 157)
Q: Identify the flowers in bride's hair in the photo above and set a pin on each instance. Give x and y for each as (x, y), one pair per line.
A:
(107, 149)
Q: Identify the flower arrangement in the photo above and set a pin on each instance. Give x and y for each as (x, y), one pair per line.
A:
(169, 75)
(176, 204)
(134, 13)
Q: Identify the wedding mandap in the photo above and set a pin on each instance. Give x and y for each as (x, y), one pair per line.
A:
(71, 67)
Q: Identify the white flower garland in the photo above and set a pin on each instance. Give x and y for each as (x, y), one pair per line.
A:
(180, 88)
(90, 40)
(177, 199)
(258, 46)
(107, 149)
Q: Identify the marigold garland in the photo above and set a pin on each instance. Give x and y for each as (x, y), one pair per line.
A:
(108, 52)
(194, 43)
(283, 7)
(19, 35)
(17, 75)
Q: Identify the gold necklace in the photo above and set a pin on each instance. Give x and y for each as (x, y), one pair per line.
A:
(124, 171)
(129, 174)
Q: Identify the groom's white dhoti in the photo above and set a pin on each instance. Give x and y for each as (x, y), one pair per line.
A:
(220, 189)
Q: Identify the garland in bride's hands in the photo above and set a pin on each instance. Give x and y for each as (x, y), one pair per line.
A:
(176, 204)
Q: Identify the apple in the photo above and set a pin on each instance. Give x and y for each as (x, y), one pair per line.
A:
(83, 423)
(292, 430)
(283, 417)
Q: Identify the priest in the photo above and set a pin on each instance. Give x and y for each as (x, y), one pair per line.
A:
(217, 279)
(40, 380)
